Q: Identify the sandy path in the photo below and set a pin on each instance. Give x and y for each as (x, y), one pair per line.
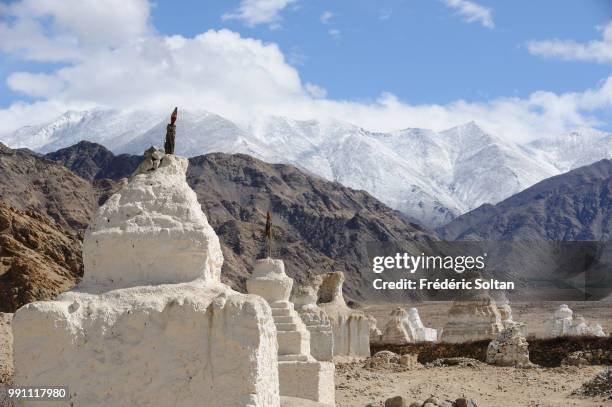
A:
(489, 386)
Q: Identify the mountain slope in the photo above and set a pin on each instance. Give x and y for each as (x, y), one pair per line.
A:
(573, 150)
(38, 259)
(429, 176)
(30, 182)
(319, 226)
(573, 206)
(93, 161)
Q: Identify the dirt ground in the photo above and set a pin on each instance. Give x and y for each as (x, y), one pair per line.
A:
(535, 314)
(489, 386)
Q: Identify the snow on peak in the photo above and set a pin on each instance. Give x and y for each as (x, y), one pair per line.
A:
(430, 176)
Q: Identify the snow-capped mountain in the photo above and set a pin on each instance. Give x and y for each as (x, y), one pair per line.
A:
(573, 150)
(430, 176)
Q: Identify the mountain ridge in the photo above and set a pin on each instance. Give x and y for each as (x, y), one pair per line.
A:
(427, 175)
(319, 226)
(576, 205)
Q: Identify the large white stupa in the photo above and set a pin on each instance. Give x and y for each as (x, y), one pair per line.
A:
(151, 324)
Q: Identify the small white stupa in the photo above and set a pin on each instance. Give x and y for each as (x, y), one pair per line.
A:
(151, 324)
(315, 319)
(300, 374)
(406, 327)
(351, 328)
(564, 323)
(421, 332)
(472, 319)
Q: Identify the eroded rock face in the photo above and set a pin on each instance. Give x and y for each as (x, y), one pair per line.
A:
(472, 319)
(351, 328)
(509, 348)
(123, 337)
(564, 323)
(38, 258)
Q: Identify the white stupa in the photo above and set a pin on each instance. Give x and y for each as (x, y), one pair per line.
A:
(300, 374)
(151, 324)
(564, 323)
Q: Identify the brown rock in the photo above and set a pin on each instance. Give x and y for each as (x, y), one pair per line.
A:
(397, 401)
(38, 258)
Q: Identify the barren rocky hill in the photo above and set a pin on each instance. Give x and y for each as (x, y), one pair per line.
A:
(93, 161)
(38, 258)
(319, 225)
(576, 205)
(31, 182)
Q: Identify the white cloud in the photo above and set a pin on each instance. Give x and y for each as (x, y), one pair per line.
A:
(472, 12)
(51, 30)
(326, 16)
(255, 12)
(315, 91)
(242, 78)
(35, 84)
(598, 51)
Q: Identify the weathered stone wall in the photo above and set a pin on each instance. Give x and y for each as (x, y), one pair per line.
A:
(165, 345)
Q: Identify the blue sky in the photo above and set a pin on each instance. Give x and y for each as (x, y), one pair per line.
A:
(418, 49)
(521, 69)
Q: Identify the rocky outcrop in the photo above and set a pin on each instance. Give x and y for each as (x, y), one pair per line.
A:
(351, 328)
(29, 182)
(472, 319)
(151, 324)
(509, 348)
(92, 161)
(38, 258)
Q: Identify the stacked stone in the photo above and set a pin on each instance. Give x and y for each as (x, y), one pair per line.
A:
(151, 324)
(509, 348)
(300, 375)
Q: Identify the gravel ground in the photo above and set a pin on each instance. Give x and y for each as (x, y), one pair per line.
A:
(487, 385)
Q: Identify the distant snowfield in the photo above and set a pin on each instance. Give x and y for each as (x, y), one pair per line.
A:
(430, 176)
